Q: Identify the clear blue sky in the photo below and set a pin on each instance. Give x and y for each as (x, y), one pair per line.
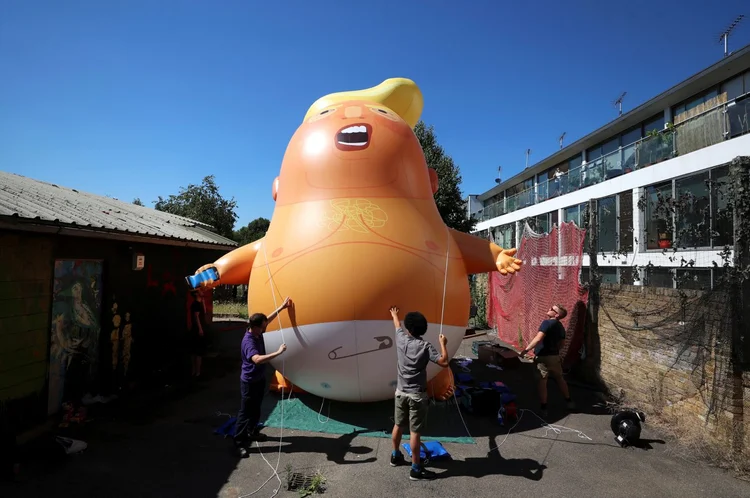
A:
(137, 98)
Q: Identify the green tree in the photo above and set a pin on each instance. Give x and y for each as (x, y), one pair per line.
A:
(203, 203)
(254, 230)
(449, 200)
(137, 201)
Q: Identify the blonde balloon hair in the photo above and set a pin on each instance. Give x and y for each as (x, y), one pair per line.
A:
(401, 95)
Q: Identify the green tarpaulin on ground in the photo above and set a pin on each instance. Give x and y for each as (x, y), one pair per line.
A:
(310, 413)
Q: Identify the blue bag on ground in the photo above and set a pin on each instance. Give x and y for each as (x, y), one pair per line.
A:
(430, 450)
(227, 428)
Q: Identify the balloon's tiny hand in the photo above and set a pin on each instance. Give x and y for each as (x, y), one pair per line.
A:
(507, 263)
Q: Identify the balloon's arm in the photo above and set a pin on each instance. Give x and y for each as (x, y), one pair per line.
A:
(234, 267)
(482, 256)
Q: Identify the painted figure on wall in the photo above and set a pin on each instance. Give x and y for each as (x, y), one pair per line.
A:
(121, 339)
(76, 311)
(127, 340)
(114, 337)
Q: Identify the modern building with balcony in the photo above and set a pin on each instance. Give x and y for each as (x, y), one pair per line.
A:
(676, 145)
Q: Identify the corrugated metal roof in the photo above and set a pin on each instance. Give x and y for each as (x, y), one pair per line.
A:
(26, 198)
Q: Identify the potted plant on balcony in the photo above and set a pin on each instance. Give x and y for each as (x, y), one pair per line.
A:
(664, 242)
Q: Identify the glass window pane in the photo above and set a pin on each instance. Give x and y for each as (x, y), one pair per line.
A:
(608, 224)
(694, 103)
(584, 275)
(582, 216)
(572, 214)
(693, 221)
(659, 277)
(611, 146)
(593, 153)
(626, 221)
(631, 136)
(627, 276)
(694, 278)
(721, 217)
(733, 88)
(659, 216)
(738, 116)
(609, 274)
(656, 123)
(628, 158)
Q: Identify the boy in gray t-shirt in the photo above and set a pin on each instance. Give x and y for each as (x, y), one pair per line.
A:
(411, 388)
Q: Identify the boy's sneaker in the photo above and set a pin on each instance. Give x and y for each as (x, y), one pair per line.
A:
(397, 459)
(421, 475)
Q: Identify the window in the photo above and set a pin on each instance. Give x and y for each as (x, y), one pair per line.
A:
(738, 116)
(629, 140)
(577, 214)
(542, 186)
(609, 274)
(627, 276)
(722, 224)
(607, 223)
(542, 223)
(573, 214)
(572, 180)
(733, 88)
(505, 236)
(584, 276)
(659, 277)
(659, 216)
(625, 235)
(655, 123)
(694, 278)
(693, 206)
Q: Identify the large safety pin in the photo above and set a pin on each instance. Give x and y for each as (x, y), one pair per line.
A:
(385, 343)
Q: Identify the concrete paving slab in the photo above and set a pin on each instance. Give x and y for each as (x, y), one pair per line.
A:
(175, 454)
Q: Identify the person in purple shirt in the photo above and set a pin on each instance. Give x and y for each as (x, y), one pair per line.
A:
(253, 378)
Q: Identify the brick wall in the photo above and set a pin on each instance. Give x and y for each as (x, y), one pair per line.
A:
(25, 289)
(668, 351)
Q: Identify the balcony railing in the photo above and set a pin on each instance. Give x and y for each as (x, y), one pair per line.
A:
(718, 124)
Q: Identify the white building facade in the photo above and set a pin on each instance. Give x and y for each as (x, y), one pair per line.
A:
(676, 145)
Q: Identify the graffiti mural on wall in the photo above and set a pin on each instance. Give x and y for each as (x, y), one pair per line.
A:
(121, 338)
(74, 345)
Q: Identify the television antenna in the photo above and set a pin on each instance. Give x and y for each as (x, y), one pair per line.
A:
(618, 102)
(724, 37)
(498, 180)
(528, 153)
(562, 137)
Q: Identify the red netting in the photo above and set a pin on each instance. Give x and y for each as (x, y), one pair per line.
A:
(517, 304)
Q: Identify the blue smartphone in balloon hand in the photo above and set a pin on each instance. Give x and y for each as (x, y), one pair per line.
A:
(194, 281)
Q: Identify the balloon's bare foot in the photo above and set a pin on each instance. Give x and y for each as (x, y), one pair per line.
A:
(442, 386)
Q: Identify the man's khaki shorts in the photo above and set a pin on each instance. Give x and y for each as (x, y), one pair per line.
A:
(548, 365)
(411, 411)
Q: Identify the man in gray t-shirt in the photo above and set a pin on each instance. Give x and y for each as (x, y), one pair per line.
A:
(414, 354)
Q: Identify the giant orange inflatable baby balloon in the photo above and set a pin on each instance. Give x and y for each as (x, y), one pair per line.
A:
(355, 231)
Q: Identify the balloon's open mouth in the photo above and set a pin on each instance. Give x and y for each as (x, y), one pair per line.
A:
(354, 137)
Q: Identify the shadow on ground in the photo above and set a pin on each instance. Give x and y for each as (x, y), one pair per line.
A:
(445, 421)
